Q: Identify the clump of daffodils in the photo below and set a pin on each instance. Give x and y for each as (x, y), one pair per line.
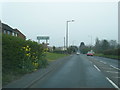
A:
(27, 50)
(33, 57)
(29, 55)
(45, 50)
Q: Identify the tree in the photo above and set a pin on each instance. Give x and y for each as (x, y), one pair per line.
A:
(97, 45)
(72, 49)
(82, 44)
(83, 48)
(105, 45)
(54, 48)
(113, 44)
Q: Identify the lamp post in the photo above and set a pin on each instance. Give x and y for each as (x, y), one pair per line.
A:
(91, 40)
(64, 43)
(67, 32)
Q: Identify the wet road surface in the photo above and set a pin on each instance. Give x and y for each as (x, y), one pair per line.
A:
(80, 71)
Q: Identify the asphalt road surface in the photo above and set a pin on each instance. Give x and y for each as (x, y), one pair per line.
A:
(82, 71)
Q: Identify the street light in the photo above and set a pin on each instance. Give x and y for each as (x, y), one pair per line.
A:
(91, 40)
(67, 32)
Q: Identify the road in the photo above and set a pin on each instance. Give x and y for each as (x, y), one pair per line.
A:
(81, 71)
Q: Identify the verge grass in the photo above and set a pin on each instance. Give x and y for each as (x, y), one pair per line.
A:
(54, 56)
(108, 56)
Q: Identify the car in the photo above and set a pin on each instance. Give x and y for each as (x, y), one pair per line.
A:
(77, 53)
(89, 54)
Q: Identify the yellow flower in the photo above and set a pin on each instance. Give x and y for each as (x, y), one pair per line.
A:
(29, 49)
(26, 49)
(28, 54)
(23, 47)
(33, 63)
(36, 64)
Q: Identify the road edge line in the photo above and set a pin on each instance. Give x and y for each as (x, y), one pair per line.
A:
(112, 83)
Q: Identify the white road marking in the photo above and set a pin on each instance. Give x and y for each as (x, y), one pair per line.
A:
(96, 67)
(112, 82)
(111, 72)
(116, 77)
(90, 62)
(115, 67)
(103, 62)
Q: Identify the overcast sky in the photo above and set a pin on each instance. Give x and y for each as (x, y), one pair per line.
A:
(92, 19)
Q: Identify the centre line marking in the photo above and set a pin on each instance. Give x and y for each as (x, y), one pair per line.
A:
(96, 67)
(112, 82)
(115, 67)
(111, 72)
(103, 62)
(116, 77)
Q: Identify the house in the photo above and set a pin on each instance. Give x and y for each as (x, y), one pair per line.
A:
(21, 35)
(10, 31)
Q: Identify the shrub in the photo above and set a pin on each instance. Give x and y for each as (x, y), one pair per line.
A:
(111, 52)
(21, 56)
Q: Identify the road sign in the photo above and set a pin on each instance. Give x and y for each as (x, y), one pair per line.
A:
(43, 37)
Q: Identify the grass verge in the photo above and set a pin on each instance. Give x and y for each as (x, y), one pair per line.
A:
(108, 56)
(11, 77)
(54, 56)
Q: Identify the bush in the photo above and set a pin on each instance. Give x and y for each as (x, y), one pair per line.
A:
(21, 56)
(111, 52)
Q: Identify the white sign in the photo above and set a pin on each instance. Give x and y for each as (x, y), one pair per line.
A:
(43, 37)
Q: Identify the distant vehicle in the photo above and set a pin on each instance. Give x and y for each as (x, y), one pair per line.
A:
(89, 53)
(77, 53)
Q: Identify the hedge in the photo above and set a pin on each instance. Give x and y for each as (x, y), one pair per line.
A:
(21, 56)
(112, 52)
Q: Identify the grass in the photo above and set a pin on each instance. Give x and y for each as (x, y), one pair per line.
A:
(108, 56)
(11, 77)
(7, 78)
(54, 56)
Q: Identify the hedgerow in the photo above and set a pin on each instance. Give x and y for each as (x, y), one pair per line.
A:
(21, 56)
(111, 52)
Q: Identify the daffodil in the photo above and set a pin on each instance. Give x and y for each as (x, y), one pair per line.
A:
(28, 54)
(26, 49)
(36, 64)
(23, 47)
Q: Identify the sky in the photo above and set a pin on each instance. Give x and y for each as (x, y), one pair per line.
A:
(92, 20)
